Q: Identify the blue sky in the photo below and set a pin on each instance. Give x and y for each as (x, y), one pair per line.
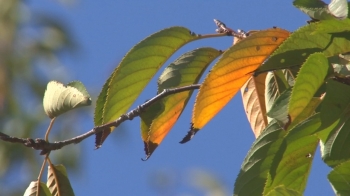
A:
(105, 31)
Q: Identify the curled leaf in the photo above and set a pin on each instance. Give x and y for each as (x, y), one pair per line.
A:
(339, 8)
(253, 96)
(59, 98)
(279, 109)
(276, 84)
(315, 9)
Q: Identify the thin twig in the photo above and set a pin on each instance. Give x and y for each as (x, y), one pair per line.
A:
(214, 35)
(46, 147)
(41, 171)
(222, 28)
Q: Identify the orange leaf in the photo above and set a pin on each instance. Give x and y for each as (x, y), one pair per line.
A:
(157, 120)
(253, 96)
(229, 74)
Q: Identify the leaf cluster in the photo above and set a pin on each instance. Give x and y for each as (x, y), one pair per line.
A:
(295, 90)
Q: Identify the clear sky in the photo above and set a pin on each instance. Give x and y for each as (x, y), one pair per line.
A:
(104, 31)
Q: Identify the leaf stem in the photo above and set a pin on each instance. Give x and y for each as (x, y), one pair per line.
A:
(49, 129)
(41, 171)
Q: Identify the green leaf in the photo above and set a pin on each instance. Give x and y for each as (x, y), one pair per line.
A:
(283, 191)
(279, 109)
(135, 71)
(157, 121)
(256, 165)
(311, 76)
(332, 26)
(339, 8)
(32, 189)
(339, 177)
(308, 111)
(293, 161)
(59, 98)
(276, 83)
(58, 182)
(336, 148)
(315, 9)
(101, 136)
(336, 102)
(296, 49)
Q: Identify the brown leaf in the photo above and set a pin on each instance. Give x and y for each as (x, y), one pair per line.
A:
(253, 96)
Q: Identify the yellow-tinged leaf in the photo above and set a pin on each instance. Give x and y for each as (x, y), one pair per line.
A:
(230, 73)
(157, 120)
(310, 77)
(308, 111)
(253, 96)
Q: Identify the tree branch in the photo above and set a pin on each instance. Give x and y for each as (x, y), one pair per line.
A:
(46, 147)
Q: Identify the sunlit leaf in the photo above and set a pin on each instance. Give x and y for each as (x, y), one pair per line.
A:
(58, 182)
(292, 166)
(315, 9)
(276, 84)
(32, 189)
(296, 49)
(339, 177)
(230, 73)
(135, 71)
(339, 8)
(157, 120)
(253, 96)
(254, 171)
(308, 111)
(59, 98)
(332, 26)
(101, 136)
(311, 76)
(283, 191)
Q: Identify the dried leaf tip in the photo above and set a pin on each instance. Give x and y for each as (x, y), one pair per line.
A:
(150, 147)
(101, 137)
(189, 135)
(146, 158)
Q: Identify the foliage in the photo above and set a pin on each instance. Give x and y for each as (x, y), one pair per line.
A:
(295, 89)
